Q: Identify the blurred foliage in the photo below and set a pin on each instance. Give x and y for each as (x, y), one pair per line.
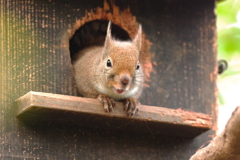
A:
(228, 32)
(228, 29)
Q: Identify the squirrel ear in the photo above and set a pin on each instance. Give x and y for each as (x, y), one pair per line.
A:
(137, 41)
(108, 39)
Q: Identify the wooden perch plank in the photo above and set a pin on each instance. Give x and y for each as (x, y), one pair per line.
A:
(225, 146)
(36, 107)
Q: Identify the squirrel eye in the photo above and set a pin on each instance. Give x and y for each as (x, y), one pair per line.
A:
(138, 66)
(109, 63)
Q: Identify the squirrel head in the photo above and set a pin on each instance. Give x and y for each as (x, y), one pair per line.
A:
(121, 65)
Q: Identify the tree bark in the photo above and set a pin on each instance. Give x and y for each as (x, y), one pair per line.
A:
(225, 146)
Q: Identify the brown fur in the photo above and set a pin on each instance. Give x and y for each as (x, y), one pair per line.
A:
(93, 77)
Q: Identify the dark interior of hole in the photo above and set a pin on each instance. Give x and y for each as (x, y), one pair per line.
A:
(93, 33)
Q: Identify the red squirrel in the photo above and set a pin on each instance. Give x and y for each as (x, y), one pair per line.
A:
(111, 72)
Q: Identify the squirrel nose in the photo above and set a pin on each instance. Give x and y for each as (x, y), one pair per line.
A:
(125, 80)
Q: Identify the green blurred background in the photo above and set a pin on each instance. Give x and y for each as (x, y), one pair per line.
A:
(228, 32)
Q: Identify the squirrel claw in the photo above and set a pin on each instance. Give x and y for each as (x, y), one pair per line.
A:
(108, 103)
(131, 106)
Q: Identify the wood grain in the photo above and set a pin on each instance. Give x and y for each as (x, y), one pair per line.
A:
(225, 145)
(40, 107)
(34, 46)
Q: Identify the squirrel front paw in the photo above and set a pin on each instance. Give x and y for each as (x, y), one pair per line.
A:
(131, 106)
(108, 103)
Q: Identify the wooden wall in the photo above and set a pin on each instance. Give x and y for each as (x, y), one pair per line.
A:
(34, 50)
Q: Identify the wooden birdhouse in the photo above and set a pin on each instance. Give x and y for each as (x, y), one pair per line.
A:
(43, 116)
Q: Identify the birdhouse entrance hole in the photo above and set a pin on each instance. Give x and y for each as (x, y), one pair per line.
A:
(91, 29)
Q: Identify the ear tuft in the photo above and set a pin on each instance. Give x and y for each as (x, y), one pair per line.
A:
(137, 41)
(108, 39)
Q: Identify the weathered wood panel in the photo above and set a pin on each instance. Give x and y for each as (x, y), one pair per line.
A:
(37, 108)
(34, 56)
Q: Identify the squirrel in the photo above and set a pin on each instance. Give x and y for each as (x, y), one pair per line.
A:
(111, 72)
